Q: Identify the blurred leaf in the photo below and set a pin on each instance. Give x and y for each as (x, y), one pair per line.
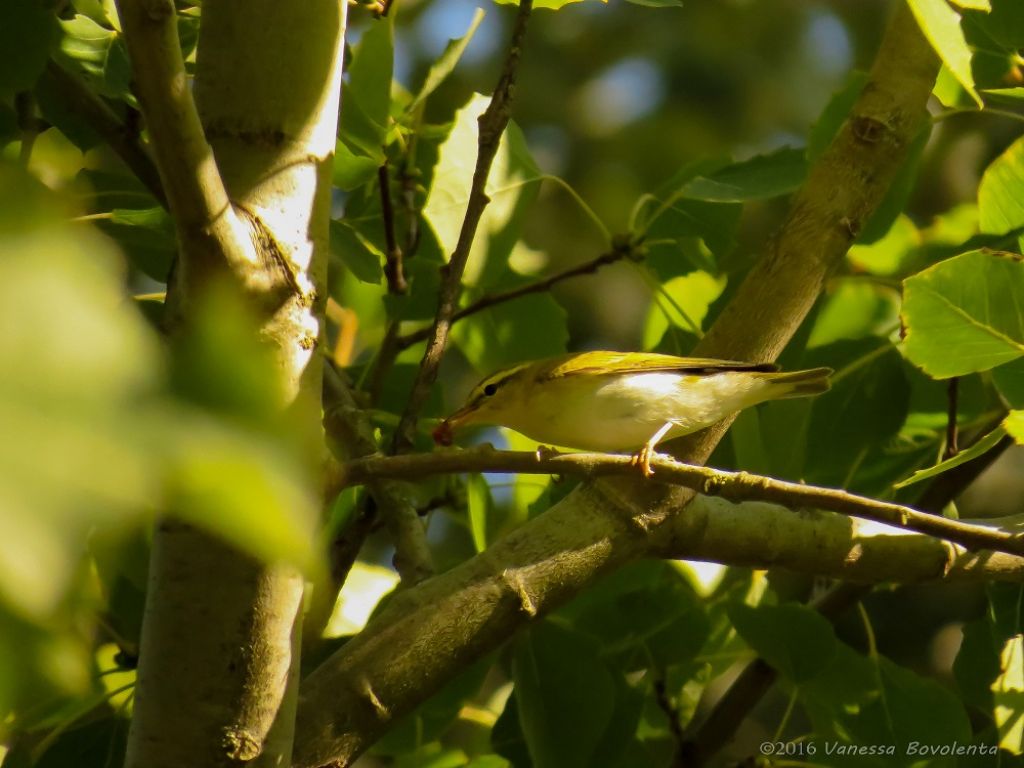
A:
(512, 185)
(941, 25)
(888, 255)
(683, 302)
(443, 67)
(73, 396)
(1008, 694)
(896, 197)
(760, 177)
(28, 29)
(366, 94)
(976, 666)
(1001, 193)
(1004, 25)
(978, 448)
(364, 587)
(146, 236)
(969, 304)
(478, 495)
(565, 696)
(658, 3)
(1014, 426)
(834, 115)
(1010, 95)
(855, 309)
(713, 223)
(796, 640)
(552, 5)
(359, 255)
(529, 327)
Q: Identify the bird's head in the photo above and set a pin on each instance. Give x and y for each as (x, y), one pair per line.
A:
(492, 401)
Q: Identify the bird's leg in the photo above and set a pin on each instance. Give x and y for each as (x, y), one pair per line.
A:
(643, 457)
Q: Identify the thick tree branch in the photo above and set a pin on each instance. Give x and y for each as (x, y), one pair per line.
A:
(733, 486)
(119, 137)
(211, 235)
(538, 286)
(427, 634)
(492, 125)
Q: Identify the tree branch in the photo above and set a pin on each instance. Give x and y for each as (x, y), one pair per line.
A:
(733, 486)
(119, 137)
(491, 127)
(538, 286)
(427, 634)
(210, 233)
(351, 434)
(393, 269)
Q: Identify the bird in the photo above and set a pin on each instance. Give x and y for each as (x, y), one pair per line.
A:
(618, 402)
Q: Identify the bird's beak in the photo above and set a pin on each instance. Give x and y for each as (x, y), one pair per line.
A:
(442, 434)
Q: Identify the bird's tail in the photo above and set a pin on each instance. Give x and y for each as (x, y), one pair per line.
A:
(813, 381)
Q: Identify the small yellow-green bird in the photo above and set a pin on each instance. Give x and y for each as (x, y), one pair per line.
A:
(623, 401)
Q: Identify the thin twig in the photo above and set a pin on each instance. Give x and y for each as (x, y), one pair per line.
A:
(393, 269)
(120, 136)
(952, 409)
(492, 125)
(733, 486)
(672, 714)
(351, 432)
(538, 286)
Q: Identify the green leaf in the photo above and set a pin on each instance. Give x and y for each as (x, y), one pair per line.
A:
(835, 114)
(963, 315)
(478, 497)
(1014, 426)
(941, 25)
(28, 29)
(565, 696)
(865, 409)
(445, 64)
(1007, 693)
(75, 398)
(658, 3)
(98, 53)
(1010, 95)
(759, 178)
(552, 5)
(359, 255)
(512, 185)
(890, 254)
(351, 170)
(683, 303)
(147, 237)
(1009, 380)
(366, 95)
(529, 327)
(977, 664)
(796, 640)
(855, 309)
(978, 448)
(1001, 193)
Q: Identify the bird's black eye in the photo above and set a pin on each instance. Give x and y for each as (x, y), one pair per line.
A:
(490, 389)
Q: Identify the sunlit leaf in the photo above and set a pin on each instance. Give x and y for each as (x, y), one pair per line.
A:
(970, 304)
(445, 64)
(530, 327)
(511, 186)
(1007, 691)
(1001, 193)
(478, 497)
(978, 448)
(366, 94)
(941, 25)
(683, 303)
(1014, 426)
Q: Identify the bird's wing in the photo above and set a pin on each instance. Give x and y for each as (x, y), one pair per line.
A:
(611, 363)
